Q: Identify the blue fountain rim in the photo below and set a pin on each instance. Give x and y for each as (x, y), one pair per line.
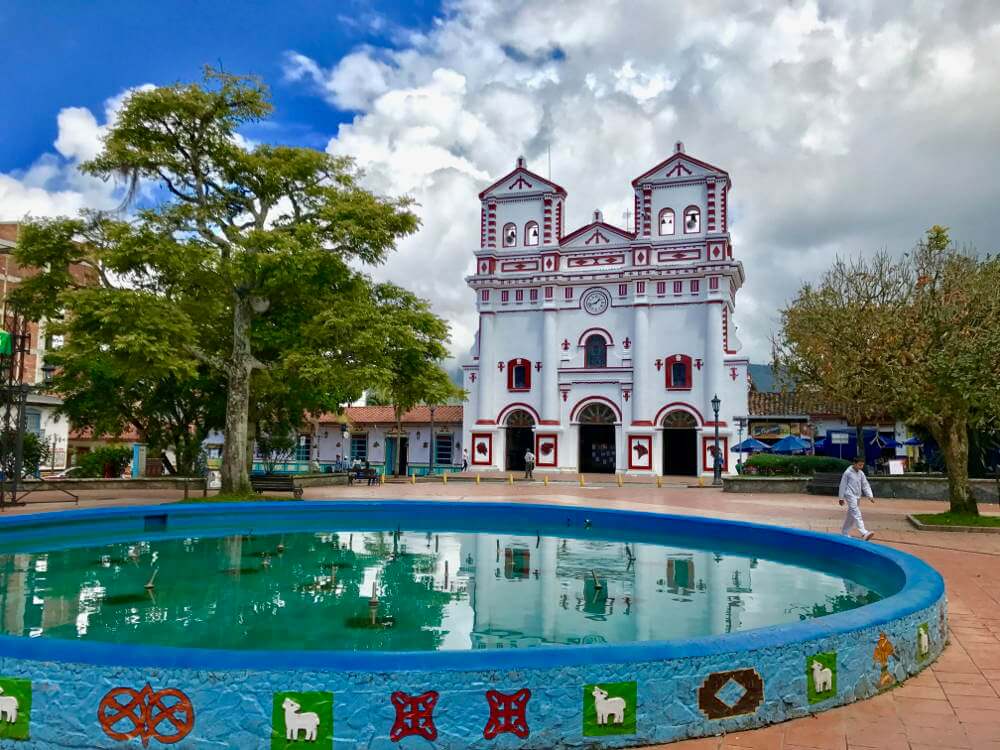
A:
(919, 587)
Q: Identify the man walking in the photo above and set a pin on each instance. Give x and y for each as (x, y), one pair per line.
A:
(854, 485)
(529, 464)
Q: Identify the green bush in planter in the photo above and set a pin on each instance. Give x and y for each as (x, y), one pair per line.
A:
(768, 465)
(106, 461)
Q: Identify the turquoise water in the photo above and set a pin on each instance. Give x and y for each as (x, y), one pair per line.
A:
(368, 590)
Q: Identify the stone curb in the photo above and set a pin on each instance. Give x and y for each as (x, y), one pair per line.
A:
(966, 529)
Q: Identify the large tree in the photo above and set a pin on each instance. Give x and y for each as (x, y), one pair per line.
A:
(237, 259)
(914, 337)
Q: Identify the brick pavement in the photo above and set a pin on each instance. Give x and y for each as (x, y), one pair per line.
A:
(952, 705)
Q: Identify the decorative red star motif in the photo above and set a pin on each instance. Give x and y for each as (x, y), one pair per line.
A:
(538, 366)
(565, 344)
(732, 373)
(627, 342)
(697, 363)
(414, 716)
(659, 365)
(507, 713)
(625, 395)
(500, 366)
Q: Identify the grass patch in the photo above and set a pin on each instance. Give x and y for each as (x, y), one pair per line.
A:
(957, 519)
(252, 498)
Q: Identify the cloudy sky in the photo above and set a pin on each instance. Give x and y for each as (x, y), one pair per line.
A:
(847, 126)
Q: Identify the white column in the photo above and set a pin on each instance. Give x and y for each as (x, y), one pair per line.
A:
(640, 364)
(487, 366)
(713, 369)
(550, 366)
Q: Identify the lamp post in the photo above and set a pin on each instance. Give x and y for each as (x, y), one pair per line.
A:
(716, 464)
(346, 435)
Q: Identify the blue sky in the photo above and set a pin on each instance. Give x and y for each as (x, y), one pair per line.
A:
(67, 53)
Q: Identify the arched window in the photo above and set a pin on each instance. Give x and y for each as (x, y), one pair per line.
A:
(596, 414)
(519, 375)
(509, 235)
(679, 372)
(667, 221)
(692, 220)
(595, 351)
(531, 233)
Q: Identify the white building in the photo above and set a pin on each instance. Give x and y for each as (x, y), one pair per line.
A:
(602, 348)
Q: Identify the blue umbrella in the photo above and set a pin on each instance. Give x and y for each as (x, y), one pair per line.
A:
(913, 441)
(821, 443)
(750, 445)
(790, 444)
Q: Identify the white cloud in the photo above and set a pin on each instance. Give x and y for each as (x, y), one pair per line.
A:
(847, 126)
(53, 185)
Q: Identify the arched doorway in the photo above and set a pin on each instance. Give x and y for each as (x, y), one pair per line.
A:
(520, 438)
(680, 444)
(597, 439)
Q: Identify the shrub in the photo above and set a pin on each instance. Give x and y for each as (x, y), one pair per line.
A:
(107, 461)
(33, 453)
(776, 465)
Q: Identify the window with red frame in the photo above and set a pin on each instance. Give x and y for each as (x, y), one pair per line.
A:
(569, 292)
(505, 296)
(679, 372)
(486, 295)
(519, 375)
(533, 295)
(678, 287)
(548, 292)
(519, 295)
(695, 286)
(713, 282)
(622, 290)
(595, 351)
(661, 287)
(640, 287)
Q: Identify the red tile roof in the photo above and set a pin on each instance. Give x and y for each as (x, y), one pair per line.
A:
(387, 415)
(791, 403)
(87, 434)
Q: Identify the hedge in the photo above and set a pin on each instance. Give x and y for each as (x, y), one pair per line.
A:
(764, 464)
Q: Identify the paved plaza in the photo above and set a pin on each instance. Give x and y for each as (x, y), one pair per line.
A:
(954, 704)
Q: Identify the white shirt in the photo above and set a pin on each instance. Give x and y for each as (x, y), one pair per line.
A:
(529, 457)
(854, 484)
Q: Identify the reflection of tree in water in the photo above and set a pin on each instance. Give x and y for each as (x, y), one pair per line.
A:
(839, 603)
(233, 592)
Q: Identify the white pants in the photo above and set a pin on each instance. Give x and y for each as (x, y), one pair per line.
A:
(853, 518)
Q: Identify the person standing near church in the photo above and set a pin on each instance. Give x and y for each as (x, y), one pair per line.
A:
(529, 464)
(853, 486)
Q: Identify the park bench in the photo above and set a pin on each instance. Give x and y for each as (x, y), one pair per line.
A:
(261, 483)
(362, 475)
(824, 483)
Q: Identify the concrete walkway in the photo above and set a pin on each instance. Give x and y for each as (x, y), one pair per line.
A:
(953, 705)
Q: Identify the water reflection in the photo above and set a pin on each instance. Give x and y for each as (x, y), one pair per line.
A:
(398, 590)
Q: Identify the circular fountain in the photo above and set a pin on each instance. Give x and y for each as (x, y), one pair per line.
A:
(434, 624)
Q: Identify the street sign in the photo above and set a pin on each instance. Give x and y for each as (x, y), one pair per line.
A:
(840, 438)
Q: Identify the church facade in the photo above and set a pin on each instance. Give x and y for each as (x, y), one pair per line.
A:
(601, 349)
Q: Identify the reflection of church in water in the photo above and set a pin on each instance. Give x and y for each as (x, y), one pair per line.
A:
(601, 348)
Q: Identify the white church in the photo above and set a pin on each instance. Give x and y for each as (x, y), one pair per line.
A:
(599, 348)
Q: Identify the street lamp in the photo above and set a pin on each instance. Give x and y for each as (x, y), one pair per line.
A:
(716, 464)
(433, 446)
(47, 371)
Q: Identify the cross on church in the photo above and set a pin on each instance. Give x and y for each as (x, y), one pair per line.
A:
(697, 363)
(472, 377)
(500, 366)
(627, 342)
(565, 344)
(538, 366)
(659, 365)
(626, 394)
(732, 373)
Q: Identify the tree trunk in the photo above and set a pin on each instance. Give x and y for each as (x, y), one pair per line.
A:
(953, 438)
(235, 477)
(859, 435)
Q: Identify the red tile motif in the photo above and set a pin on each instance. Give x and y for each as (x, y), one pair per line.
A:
(414, 715)
(507, 713)
(166, 716)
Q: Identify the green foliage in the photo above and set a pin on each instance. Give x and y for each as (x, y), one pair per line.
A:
(772, 465)
(912, 337)
(236, 297)
(34, 453)
(274, 447)
(105, 461)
